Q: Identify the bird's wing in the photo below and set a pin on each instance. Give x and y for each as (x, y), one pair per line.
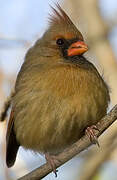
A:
(11, 142)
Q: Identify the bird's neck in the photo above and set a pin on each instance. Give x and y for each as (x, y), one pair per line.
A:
(80, 61)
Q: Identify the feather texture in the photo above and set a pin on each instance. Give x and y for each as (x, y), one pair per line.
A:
(59, 16)
(56, 96)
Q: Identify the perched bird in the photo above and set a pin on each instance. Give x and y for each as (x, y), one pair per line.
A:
(58, 93)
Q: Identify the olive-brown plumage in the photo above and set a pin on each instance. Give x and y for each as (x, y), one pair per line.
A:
(58, 93)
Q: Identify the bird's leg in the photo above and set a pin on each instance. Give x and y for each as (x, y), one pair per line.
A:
(52, 160)
(91, 134)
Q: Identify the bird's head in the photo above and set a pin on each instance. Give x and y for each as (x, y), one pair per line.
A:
(63, 38)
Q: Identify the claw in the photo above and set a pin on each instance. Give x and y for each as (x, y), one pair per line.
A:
(95, 127)
(91, 134)
(52, 162)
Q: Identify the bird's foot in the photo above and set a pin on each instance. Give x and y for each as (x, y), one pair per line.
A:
(91, 134)
(52, 160)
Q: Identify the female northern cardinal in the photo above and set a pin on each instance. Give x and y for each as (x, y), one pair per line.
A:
(58, 93)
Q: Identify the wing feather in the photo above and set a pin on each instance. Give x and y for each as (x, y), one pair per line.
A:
(12, 145)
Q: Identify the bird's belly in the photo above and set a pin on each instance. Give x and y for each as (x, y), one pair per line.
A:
(52, 123)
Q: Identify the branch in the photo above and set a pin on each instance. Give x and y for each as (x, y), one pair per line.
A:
(96, 157)
(73, 150)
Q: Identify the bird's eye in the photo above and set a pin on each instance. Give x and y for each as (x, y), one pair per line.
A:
(60, 42)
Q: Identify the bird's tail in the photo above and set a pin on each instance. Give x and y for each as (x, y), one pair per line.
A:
(7, 104)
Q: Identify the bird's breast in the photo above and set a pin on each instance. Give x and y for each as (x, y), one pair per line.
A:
(60, 105)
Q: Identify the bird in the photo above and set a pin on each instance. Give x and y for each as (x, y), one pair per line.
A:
(58, 93)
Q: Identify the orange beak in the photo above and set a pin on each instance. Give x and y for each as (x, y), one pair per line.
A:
(77, 48)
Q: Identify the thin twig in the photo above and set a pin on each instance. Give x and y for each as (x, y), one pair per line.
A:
(73, 150)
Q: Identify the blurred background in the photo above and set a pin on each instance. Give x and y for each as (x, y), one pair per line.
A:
(21, 24)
